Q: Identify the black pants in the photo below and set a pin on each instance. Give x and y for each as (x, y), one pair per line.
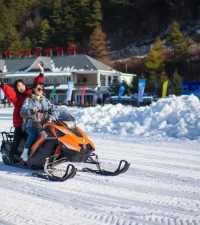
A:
(18, 136)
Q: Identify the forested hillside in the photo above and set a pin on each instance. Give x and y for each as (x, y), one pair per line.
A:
(26, 24)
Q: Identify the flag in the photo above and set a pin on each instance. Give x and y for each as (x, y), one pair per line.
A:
(121, 90)
(70, 90)
(141, 88)
(164, 88)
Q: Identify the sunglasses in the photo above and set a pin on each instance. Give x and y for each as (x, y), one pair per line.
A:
(39, 89)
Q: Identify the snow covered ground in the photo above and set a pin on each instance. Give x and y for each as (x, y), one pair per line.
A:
(162, 187)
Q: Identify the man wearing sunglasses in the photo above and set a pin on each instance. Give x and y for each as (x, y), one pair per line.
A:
(33, 113)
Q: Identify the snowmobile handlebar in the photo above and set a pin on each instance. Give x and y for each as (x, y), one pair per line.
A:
(50, 111)
(54, 114)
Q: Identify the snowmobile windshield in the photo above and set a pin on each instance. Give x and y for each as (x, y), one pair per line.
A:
(61, 114)
(65, 116)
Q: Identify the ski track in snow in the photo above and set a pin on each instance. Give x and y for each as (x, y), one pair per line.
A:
(162, 187)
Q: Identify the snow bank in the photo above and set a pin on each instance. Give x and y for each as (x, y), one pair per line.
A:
(177, 117)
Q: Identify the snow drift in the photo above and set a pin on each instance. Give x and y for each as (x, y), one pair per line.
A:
(177, 117)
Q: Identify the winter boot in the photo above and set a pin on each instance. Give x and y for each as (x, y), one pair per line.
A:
(24, 155)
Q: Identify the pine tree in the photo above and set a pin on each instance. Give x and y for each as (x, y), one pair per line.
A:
(13, 40)
(178, 41)
(27, 44)
(16, 45)
(177, 83)
(153, 83)
(56, 15)
(96, 14)
(98, 45)
(87, 15)
(11, 19)
(155, 60)
(44, 32)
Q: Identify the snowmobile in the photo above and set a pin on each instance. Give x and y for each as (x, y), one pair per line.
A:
(61, 150)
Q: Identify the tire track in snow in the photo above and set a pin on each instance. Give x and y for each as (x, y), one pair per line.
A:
(142, 187)
(189, 160)
(37, 211)
(3, 222)
(154, 146)
(141, 220)
(54, 196)
(149, 165)
(155, 165)
(135, 202)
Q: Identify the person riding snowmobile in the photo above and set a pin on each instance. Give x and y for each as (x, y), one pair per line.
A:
(17, 95)
(62, 149)
(33, 113)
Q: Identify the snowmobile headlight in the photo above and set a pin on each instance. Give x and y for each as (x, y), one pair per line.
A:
(70, 124)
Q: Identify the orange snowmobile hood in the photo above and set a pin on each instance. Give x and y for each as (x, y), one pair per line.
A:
(70, 140)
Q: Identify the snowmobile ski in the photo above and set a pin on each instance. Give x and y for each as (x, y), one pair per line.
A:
(53, 167)
(55, 174)
(93, 159)
(123, 166)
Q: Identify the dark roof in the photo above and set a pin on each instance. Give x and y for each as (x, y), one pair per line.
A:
(76, 61)
(79, 62)
(98, 64)
(14, 65)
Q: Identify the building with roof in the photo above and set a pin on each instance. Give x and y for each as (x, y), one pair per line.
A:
(83, 70)
(58, 70)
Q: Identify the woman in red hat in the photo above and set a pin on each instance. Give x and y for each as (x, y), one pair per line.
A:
(34, 112)
(17, 95)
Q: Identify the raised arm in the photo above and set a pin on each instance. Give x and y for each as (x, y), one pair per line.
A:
(9, 92)
(40, 78)
(41, 67)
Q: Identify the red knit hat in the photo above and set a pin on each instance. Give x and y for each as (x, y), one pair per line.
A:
(39, 79)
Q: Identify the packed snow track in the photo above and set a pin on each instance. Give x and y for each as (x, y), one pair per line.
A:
(162, 187)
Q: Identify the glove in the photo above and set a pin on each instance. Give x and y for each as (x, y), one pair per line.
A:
(34, 110)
